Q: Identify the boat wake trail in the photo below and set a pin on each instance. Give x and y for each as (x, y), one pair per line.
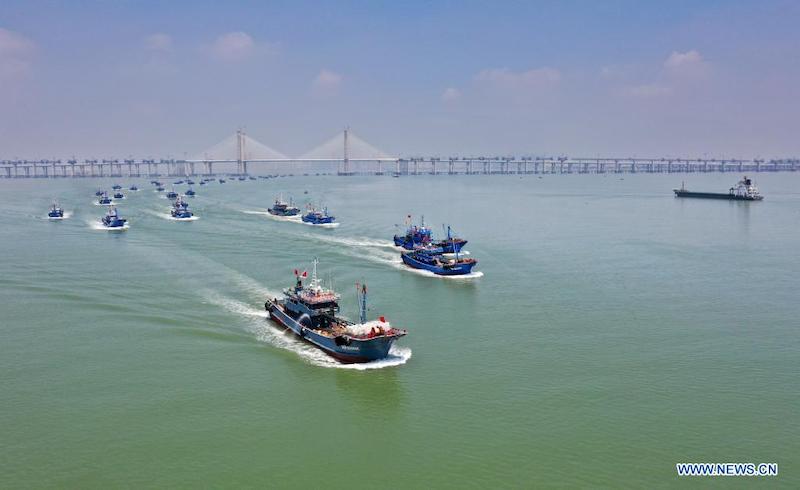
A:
(257, 323)
(291, 219)
(426, 273)
(97, 225)
(169, 217)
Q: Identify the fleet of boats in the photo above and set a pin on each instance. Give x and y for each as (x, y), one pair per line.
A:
(312, 311)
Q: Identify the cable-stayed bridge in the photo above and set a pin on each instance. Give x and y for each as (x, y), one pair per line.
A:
(348, 154)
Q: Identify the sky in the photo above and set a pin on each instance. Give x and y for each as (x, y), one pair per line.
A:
(702, 78)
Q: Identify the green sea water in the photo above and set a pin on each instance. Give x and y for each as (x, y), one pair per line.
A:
(615, 332)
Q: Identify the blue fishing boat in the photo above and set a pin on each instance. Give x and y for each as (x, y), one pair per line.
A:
(252, 178)
(155, 182)
(436, 262)
(190, 182)
(242, 178)
(221, 181)
(105, 200)
(190, 192)
(180, 209)
(56, 212)
(172, 194)
(420, 236)
(316, 217)
(116, 187)
(203, 182)
(178, 182)
(112, 221)
(310, 313)
(133, 188)
(281, 208)
(99, 192)
(160, 188)
(119, 195)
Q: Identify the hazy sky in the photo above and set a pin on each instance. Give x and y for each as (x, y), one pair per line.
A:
(581, 78)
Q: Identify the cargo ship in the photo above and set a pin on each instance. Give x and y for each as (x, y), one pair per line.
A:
(744, 190)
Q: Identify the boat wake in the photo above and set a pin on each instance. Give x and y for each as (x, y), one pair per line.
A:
(322, 225)
(67, 215)
(169, 217)
(293, 219)
(96, 225)
(427, 273)
(268, 332)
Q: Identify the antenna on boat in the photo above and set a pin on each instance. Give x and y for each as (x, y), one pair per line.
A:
(314, 279)
(362, 302)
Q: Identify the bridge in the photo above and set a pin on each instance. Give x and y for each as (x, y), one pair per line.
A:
(347, 154)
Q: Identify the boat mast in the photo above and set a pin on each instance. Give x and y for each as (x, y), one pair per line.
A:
(363, 304)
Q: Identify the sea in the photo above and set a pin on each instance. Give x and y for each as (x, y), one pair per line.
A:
(609, 332)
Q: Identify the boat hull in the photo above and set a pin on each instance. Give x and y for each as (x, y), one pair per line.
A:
(716, 195)
(288, 212)
(356, 351)
(459, 269)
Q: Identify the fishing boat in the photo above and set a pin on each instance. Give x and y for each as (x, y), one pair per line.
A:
(744, 190)
(190, 182)
(155, 182)
(133, 188)
(190, 192)
(105, 200)
(203, 182)
(172, 194)
(242, 178)
(180, 209)
(420, 236)
(119, 195)
(437, 262)
(160, 188)
(252, 178)
(221, 181)
(112, 221)
(314, 216)
(56, 212)
(178, 182)
(310, 312)
(281, 208)
(116, 187)
(99, 192)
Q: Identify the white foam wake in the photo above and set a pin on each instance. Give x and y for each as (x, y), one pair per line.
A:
(97, 225)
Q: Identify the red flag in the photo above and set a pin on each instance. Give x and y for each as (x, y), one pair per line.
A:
(383, 320)
(296, 272)
(305, 273)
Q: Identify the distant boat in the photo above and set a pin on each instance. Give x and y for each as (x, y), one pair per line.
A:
(281, 208)
(133, 188)
(745, 190)
(420, 236)
(119, 195)
(56, 212)
(172, 194)
(190, 182)
(221, 181)
(180, 209)
(104, 200)
(99, 192)
(112, 221)
(437, 263)
(160, 188)
(116, 187)
(316, 217)
(190, 192)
